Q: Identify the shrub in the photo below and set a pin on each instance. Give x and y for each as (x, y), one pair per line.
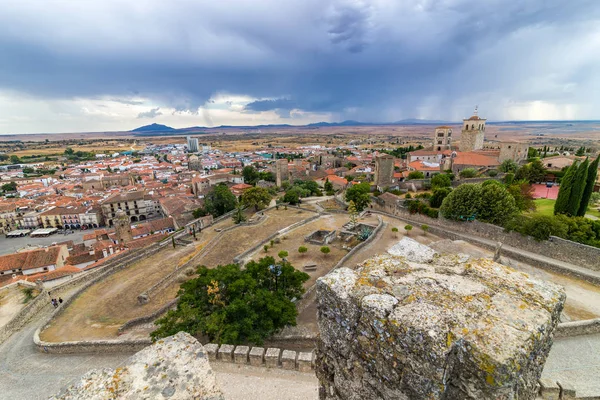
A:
(468, 173)
(408, 228)
(508, 178)
(266, 248)
(416, 175)
(464, 201)
(282, 254)
(408, 196)
(325, 250)
(438, 196)
(492, 172)
(302, 250)
(441, 180)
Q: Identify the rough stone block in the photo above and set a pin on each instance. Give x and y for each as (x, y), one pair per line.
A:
(549, 389)
(567, 390)
(240, 355)
(175, 367)
(257, 356)
(305, 361)
(448, 327)
(272, 357)
(226, 352)
(211, 350)
(288, 359)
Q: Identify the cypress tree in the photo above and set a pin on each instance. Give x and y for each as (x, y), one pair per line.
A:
(589, 187)
(577, 188)
(560, 207)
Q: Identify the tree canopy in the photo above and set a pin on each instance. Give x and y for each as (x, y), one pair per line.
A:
(256, 197)
(440, 181)
(589, 187)
(360, 195)
(232, 305)
(463, 201)
(564, 192)
(219, 200)
(416, 175)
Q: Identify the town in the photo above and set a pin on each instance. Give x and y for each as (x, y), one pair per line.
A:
(104, 240)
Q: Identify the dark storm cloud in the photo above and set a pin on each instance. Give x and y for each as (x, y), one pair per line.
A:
(376, 59)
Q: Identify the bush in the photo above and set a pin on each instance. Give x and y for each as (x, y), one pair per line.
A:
(468, 173)
(416, 175)
(509, 178)
(282, 254)
(497, 205)
(462, 202)
(438, 196)
(440, 181)
(492, 173)
(408, 196)
(325, 250)
(408, 228)
(302, 250)
(425, 228)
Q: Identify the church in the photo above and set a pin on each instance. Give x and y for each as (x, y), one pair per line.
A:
(472, 150)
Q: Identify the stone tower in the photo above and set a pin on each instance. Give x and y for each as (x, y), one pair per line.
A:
(122, 227)
(281, 171)
(384, 171)
(473, 132)
(442, 138)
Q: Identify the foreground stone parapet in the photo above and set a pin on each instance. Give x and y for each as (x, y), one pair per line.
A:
(288, 359)
(305, 361)
(175, 367)
(226, 352)
(257, 356)
(439, 327)
(240, 354)
(272, 357)
(211, 350)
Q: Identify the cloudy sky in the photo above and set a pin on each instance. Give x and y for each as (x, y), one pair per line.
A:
(96, 65)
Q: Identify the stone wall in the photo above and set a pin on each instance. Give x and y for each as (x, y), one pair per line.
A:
(24, 315)
(436, 327)
(132, 323)
(556, 248)
(578, 328)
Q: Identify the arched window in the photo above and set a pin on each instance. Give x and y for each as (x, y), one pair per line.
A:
(466, 127)
(473, 127)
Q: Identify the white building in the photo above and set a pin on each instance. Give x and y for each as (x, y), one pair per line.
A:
(192, 144)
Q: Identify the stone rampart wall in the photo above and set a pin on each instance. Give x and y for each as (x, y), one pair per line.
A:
(557, 248)
(132, 323)
(578, 328)
(24, 315)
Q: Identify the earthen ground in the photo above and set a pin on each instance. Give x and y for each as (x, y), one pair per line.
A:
(11, 302)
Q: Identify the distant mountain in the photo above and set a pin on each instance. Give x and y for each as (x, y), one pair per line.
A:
(414, 121)
(153, 128)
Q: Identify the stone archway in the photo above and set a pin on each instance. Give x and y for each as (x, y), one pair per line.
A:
(142, 217)
(134, 218)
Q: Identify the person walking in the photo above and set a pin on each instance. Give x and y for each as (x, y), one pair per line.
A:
(60, 300)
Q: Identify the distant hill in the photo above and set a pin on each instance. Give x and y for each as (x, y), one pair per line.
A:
(153, 128)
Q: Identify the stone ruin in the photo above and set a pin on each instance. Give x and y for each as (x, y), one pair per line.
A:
(176, 368)
(320, 237)
(433, 327)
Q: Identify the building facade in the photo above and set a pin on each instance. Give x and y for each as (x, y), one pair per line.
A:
(472, 133)
(192, 144)
(442, 138)
(384, 171)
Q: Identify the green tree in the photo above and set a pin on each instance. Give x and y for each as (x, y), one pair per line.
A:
(69, 151)
(425, 228)
(416, 175)
(537, 171)
(352, 212)
(360, 195)
(266, 248)
(589, 187)
(219, 200)
(395, 231)
(256, 197)
(564, 192)
(302, 250)
(328, 186)
(251, 175)
(325, 250)
(580, 152)
(577, 188)
(238, 215)
(232, 305)
(497, 205)
(508, 166)
(509, 178)
(441, 181)
(9, 187)
(522, 192)
(408, 228)
(282, 254)
(14, 159)
(462, 202)
(468, 173)
(292, 196)
(438, 196)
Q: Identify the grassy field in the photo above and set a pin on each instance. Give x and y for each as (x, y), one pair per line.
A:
(544, 206)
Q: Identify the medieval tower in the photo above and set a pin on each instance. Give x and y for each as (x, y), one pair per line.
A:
(473, 132)
(384, 171)
(122, 227)
(442, 138)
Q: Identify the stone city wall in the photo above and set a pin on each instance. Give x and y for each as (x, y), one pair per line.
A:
(24, 315)
(557, 248)
(132, 323)
(578, 328)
